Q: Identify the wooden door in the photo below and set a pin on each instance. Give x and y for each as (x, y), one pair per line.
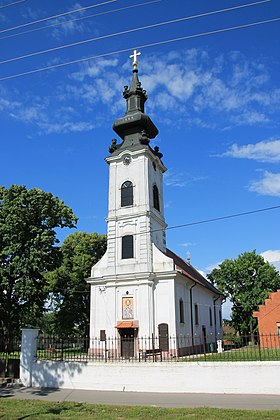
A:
(127, 342)
(163, 337)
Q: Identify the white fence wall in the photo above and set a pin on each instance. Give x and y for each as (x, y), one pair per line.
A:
(200, 377)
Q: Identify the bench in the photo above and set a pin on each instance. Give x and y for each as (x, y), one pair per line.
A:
(151, 352)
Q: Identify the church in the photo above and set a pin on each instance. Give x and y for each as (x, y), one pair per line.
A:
(140, 288)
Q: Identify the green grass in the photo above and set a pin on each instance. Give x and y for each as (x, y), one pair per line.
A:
(252, 353)
(247, 354)
(35, 409)
(55, 353)
(12, 355)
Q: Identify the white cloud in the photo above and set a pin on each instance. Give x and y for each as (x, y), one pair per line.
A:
(64, 120)
(273, 257)
(264, 151)
(250, 117)
(203, 273)
(211, 267)
(6, 104)
(268, 185)
(180, 179)
(30, 13)
(187, 244)
(232, 89)
(186, 85)
(29, 114)
(70, 24)
(94, 68)
(66, 127)
(2, 18)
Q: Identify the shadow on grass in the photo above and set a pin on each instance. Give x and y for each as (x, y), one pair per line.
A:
(56, 409)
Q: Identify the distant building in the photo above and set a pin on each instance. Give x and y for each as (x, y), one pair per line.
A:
(268, 317)
(140, 288)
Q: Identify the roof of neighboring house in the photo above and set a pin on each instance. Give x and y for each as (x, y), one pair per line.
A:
(188, 270)
(271, 304)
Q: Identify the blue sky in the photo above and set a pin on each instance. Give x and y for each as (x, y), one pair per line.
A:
(215, 100)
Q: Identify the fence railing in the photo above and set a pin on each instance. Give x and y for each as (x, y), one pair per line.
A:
(9, 357)
(156, 349)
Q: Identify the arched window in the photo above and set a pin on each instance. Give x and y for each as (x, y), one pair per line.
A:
(127, 194)
(196, 320)
(156, 197)
(127, 247)
(181, 309)
(210, 317)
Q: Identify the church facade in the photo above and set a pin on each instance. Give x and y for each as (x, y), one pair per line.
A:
(140, 288)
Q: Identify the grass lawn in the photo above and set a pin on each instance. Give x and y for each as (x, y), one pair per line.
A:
(245, 354)
(35, 409)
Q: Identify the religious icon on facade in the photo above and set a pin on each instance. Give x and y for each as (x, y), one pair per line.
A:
(127, 308)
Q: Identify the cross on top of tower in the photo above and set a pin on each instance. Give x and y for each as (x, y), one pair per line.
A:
(134, 56)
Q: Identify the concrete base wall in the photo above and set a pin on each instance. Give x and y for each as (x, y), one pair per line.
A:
(206, 377)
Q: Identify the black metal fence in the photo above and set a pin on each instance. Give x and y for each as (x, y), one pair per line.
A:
(172, 349)
(9, 357)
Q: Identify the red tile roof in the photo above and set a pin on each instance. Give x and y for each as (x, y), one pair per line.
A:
(127, 324)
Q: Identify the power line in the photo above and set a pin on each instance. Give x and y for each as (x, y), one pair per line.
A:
(141, 28)
(11, 4)
(231, 216)
(168, 41)
(80, 18)
(267, 313)
(56, 16)
(214, 219)
(200, 222)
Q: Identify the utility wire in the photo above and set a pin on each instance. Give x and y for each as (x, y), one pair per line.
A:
(141, 28)
(11, 4)
(56, 16)
(200, 222)
(197, 223)
(267, 313)
(168, 41)
(215, 219)
(80, 18)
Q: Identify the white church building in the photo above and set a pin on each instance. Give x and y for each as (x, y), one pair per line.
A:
(140, 288)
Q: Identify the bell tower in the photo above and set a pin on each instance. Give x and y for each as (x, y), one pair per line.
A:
(135, 208)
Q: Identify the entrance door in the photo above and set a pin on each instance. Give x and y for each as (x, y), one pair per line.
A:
(127, 342)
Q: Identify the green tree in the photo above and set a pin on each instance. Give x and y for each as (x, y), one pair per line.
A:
(69, 291)
(28, 219)
(246, 281)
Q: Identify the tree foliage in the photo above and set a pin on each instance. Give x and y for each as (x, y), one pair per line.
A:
(246, 281)
(28, 219)
(69, 290)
